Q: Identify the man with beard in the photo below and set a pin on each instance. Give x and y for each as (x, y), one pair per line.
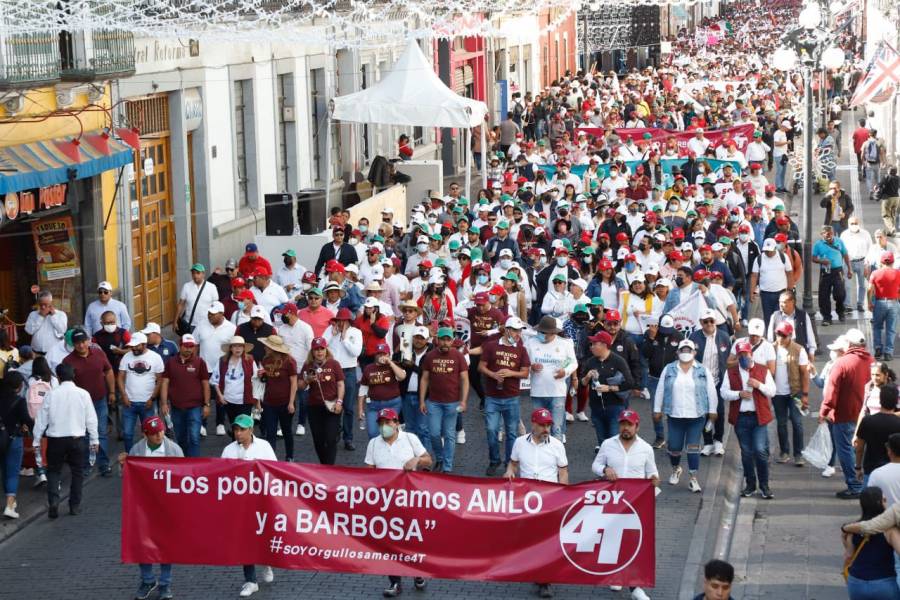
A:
(138, 382)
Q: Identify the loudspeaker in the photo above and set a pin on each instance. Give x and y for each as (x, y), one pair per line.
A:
(644, 26)
(279, 214)
(311, 211)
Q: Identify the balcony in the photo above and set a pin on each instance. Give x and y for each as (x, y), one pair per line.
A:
(28, 60)
(96, 55)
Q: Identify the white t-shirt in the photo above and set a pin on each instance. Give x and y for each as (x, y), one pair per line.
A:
(772, 272)
(778, 137)
(270, 297)
(259, 450)
(887, 477)
(140, 374)
(782, 382)
(393, 456)
(539, 461)
(233, 390)
(552, 356)
(160, 451)
(189, 293)
(210, 340)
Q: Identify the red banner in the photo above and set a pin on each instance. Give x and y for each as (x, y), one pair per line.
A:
(741, 134)
(387, 522)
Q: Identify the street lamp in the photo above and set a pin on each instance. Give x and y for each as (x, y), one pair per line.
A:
(810, 47)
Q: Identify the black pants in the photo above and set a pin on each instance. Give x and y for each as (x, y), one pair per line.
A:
(719, 426)
(831, 283)
(272, 417)
(232, 411)
(325, 427)
(68, 450)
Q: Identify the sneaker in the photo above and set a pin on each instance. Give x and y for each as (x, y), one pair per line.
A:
(29, 472)
(349, 446)
(676, 475)
(828, 471)
(492, 469)
(10, 512)
(248, 589)
(765, 492)
(718, 448)
(144, 591)
(645, 394)
(570, 418)
(826, 322)
(563, 438)
(877, 354)
(859, 308)
(659, 443)
(500, 436)
(581, 417)
(165, 593)
(544, 590)
(694, 485)
(596, 449)
(74, 509)
(392, 591)
(748, 491)
(887, 357)
(799, 462)
(419, 582)
(267, 575)
(847, 494)
(202, 432)
(707, 450)
(279, 433)
(461, 436)
(784, 457)
(40, 480)
(639, 594)
(220, 430)
(616, 588)
(301, 430)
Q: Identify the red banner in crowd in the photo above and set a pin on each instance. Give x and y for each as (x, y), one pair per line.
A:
(387, 522)
(741, 134)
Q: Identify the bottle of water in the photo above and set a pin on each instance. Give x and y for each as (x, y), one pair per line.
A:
(168, 420)
(709, 426)
(92, 457)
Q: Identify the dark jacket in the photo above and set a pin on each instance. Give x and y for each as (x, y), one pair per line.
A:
(723, 348)
(628, 350)
(346, 255)
(889, 186)
(14, 413)
(410, 367)
(613, 368)
(251, 336)
(659, 351)
(846, 206)
(719, 267)
(379, 173)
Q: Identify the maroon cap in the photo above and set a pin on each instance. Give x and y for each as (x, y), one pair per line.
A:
(887, 258)
(382, 349)
(289, 308)
(318, 343)
(388, 414)
(630, 416)
(542, 416)
(743, 346)
(785, 329)
(153, 425)
(343, 314)
(602, 337)
(481, 298)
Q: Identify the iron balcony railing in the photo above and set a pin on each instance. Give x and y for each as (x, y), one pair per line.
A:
(28, 60)
(98, 54)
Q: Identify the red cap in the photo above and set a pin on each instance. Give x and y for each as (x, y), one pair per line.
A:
(755, 166)
(333, 266)
(610, 213)
(781, 221)
(238, 282)
(743, 346)
(770, 188)
(705, 248)
(497, 290)
(481, 298)
(630, 258)
(678, 233)
(630, 416)
(561, 251)
(744, 229)
(785, 329)
(309, 277)
(586, 237)
(373, 250)
(604, 235)
(356, 233)
(153, 425)
(612, 315)
(781, 237)
(621, 237)
(605, 264)
(261, 272)
(602, 337)
(649, 216)
(343, 314)
(701, 274)
(425, 264)
(887, 258)
(722, 212)
(382, 349)
(387, 414)
(246, 295)
(318, 343)
(289, 308)
(676, 255)
(542, 416)
(722, 232)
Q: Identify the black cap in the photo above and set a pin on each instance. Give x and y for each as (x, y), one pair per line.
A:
(79, 335)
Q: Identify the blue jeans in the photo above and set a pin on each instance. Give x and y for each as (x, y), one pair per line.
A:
(685, 434)
(557, 407)
(843, 445)
(605, 420)
(165, 574)
(249, 573)
(658, 427)
(12, 462)
(415, 421)
(351, 392)
(102, 410)
(300, 401)
(769, 301)
(872, 589)
(786, 409)
(884, 321)
(136, 413)
(858, 267)
(186, 422)
(754, 441)
(372, 409)
(494, 409)
(442, 426)
(780, 172)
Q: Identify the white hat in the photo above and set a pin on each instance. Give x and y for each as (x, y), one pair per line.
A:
(436, 278)
(216, 308)
(105, 285)
(398, 224)
(717, 247)
(855, 336)
(709, 313)
(687, 247)
(514, 323)
(188, 339)
(387, 210)
(580, 283)
(372, 302)
(258, 312)
(667, 321)
(639, 277)
(151, 327)
(686, 344)
(556, 243)
(838, 344)
(422, 331)
(756, 327)
(352, 268)
(421, 240)
(386, 261)
(506, 252)
(664, 282)
(787, 124)
(769, 244)
(137, 339)
(652, 269)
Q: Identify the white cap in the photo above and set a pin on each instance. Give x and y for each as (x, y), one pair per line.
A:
(686, 344)
(717, 247)
(421, 240)
(422, 331)
(386, 261)
(787, 124)
(398, 224)
(216, 308)
(514, 323)
(839, 344)
(372, 302)
(855, 336)
(188, 339)
(387, 210)
(258, 312)
(769, 244)
(506, 252)
(151, 327)
(580, 283)
(352, 268)
(756, 327)
(652, 269)
(105, 285)
(137, 339)
(709, 313)
(639, 277)
(436, 278)
(664, 282)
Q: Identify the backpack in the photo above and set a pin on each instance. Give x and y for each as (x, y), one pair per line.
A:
(871, 152)
(760, 255)
(37, 392)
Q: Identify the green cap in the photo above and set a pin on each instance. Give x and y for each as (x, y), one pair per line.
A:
(476, 253)
(588, 250)
(462, 217)
(512, 276)
(457, 209)
(594, 183)
(440, 262)
(243, 421)
(658, 209)
(779, 207)
(378, 238)
(691, 213)
(198, 267)
(314, 291)
(483, 201)
(505, 197)
(445, 332)
(541, 143)
(502, 225)
(580, 308)
(757, 134)
(474, 229)
(725, 240)
(559, 277)
(568, 244)
(290, 253)
(463, 201)
(596, 301)
(454, 244)
(436, 237)
(648, 136)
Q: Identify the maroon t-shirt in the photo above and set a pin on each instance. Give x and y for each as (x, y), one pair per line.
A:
(444, 371)
(185, 381)
(279, 370)
(382, 382)
(90, 371)
(496, 357)
(329, 373)
(481, 323)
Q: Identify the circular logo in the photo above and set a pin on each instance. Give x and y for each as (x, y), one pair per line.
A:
(11, 205)
(601, 533)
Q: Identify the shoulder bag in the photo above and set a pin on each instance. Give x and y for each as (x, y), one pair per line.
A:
(183, 326)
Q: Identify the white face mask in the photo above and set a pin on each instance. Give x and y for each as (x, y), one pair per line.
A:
(353, 241)
(588, 260)
(561, 261)
(744, 237)
(685, 356)
(110, 328)
(422, 247)
(432, 220)
(505, 263)
(854, 228)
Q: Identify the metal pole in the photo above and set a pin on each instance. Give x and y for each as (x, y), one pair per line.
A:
(808, 192)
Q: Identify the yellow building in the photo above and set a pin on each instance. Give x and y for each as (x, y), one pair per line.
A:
(60, 165)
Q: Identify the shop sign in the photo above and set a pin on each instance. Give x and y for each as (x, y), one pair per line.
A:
(30, 201)
(193, 109)
(54, 243)
(11, 205)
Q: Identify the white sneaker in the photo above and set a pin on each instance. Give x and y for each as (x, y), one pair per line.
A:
(639, 594)
(564, 439)
(203, 431)
(645, 393)
(694, 485)
(220, 430)
(28, 472)
(570, 417)
(616, 588)
(278, 433)
(828, 471)
(301, 430)
(248, 589)
(718, 449)
(676, 475)
(707, 450)
(461, 436)
(582, 417)
(10, 512)
(267, 575)
(500, 436)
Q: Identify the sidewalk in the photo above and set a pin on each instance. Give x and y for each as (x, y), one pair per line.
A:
(790, 547)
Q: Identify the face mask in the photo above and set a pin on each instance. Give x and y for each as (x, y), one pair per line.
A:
(629, 266)
(685, 356)
(505, 263)
(353, 241)
(854, 228)
(673, 208)
(363, 228)
(781, 247)
(679, 281)
(421, 248)
(510, 340)
(541, 337)
(667, 330)
(561, 261)
(110, 328)
(744, 361)
(432, 220)
(588, 260)
(613, 174)
(595, 311)
(482, 279)
(285, 319)
(744, 237)
(241, 305)
(387, 431)
(492, 298)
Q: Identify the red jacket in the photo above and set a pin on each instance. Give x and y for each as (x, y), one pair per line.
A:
(760, 401)
(846, 385)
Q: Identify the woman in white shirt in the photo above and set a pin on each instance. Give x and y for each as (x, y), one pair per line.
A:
(557, 298)
(637, 304)
(232, 381)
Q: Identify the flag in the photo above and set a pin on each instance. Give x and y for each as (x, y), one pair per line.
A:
(687, 313)
(882, 75)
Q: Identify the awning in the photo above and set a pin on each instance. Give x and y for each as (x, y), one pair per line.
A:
(41, 164)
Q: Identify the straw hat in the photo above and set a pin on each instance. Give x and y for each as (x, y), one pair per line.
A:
(234, 341)
(274, 342)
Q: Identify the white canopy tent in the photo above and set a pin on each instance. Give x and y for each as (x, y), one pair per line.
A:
(412, 94)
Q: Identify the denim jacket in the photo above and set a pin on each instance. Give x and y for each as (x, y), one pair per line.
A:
(698, 373)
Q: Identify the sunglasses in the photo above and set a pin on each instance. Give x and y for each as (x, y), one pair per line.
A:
(103, 292)
(708, 321)
(338, 234)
